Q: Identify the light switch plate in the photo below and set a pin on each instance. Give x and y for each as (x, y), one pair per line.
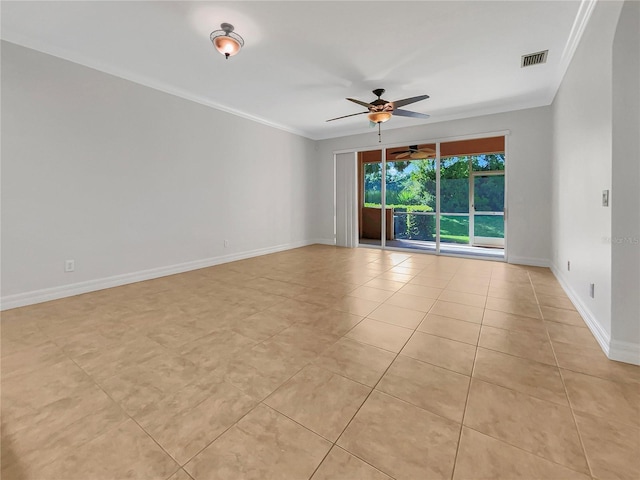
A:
(605, 198)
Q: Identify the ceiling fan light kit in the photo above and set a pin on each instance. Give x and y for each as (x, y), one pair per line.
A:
(380, 110)
(226, 41)
(379, 117)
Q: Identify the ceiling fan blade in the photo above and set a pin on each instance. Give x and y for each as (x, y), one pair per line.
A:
(403, 155)
(420, 154)
(345, 116)
(407, 113)
(360, 102)
(407, 101)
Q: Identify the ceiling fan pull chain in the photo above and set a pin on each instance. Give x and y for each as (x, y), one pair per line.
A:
(379, 135)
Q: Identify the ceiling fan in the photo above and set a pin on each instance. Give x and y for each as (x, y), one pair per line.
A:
(381, 110)
(415, 153)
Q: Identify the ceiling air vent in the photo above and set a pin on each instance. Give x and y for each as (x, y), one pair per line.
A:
(534, 58)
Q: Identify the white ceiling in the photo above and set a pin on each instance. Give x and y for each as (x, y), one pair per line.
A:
(301, 59)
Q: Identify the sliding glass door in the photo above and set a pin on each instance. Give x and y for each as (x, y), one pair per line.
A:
(411, 195)
(413, 198)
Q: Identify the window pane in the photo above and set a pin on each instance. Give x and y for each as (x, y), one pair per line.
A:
(454, 198)
(454, 185)
(372, 184)
(454, 229)
(489, 226)
(488, 193)
(411, 192)
(488, 162)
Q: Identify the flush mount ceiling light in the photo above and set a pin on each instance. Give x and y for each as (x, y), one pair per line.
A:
(226, 41)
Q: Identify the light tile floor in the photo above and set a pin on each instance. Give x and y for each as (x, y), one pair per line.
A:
(320, 363)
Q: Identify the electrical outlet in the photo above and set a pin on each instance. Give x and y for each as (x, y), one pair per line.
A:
(605, 198)
(69, 266)
(592, 290)
(568, 266)
(226, 243)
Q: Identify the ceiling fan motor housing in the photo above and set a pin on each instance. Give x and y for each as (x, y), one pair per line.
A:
(380, 105)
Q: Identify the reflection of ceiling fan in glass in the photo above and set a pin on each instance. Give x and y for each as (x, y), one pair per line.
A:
(381, 110)
(415, 153)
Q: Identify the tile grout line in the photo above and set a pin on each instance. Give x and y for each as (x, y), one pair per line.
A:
(374, 389)
(181, 466)
(362, 460)
(528, 452)
(491, 436)
(335, 443)
(466, 402)
(95, 382)
(513, 389)
(499, 439)
(397, 355)
(311, 362)
(564, 385)
(261, 401)
(132, 418)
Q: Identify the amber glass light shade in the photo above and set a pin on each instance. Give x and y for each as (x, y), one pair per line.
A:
(227, 46)
(379, 117)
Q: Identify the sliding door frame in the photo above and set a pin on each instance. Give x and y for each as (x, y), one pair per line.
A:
(437, 141)
(472, 208)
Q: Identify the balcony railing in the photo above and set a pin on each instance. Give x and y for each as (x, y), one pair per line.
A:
(454, 227)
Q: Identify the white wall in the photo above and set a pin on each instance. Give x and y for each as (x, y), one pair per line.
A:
(595, 148)
(123, 179)
(625, 186)
(582, 169)
(528, 173)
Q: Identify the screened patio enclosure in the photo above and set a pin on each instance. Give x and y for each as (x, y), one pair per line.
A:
(443, 197)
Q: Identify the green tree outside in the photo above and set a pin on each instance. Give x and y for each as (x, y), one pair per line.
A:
(411, 187)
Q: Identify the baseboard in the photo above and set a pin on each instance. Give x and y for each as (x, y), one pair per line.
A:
(602, 337)
(624, 352)
(325, 241)
(531, 261)
(47, 294)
